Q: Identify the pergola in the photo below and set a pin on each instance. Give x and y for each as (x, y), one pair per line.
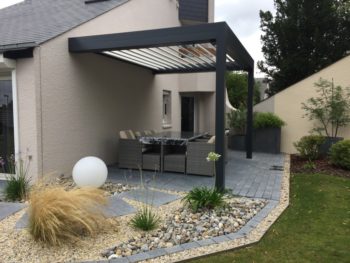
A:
(199, 48)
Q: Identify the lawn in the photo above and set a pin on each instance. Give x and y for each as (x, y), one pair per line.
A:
(315, 227)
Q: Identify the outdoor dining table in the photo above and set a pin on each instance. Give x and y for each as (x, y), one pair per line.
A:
(170, 138)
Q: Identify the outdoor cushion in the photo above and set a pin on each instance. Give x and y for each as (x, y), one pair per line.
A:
(212, 140)
(131, 135)
(123, 135)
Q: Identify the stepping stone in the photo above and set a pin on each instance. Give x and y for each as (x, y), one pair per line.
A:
(7, 209)
(151, 197)
(118, 207)
(22, 223)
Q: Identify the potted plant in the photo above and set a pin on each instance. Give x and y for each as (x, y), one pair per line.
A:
(267, 132)
(330, 110)
(237, 120)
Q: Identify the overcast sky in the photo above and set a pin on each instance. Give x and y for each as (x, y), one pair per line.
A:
(241, 15)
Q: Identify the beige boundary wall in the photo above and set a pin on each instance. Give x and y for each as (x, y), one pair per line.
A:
(74, 105)
(287, 103)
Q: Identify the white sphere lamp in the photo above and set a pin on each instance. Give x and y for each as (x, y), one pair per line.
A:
(90, 172)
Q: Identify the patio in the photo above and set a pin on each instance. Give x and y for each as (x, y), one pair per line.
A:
(246, 177)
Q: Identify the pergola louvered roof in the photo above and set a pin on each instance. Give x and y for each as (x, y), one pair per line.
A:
(169, 50)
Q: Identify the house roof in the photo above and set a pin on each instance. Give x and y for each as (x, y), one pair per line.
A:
(32, 22)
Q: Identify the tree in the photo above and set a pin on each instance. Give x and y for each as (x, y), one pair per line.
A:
(302, 38)
(237, 89)
(331, 108)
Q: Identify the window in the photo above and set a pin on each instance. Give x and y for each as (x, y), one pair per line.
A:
(166, 109)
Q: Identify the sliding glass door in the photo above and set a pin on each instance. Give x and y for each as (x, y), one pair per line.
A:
(7, 146)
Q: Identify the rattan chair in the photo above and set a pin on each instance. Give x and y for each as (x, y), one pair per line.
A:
(197, 163)
(175, 159)
(130, 151)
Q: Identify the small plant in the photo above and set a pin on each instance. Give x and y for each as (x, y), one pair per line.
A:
(57, 215)
(309, 165)
(267, 120)
(309, 147)
(340, 154)
(204, 198)
(17, 182)
(331, 109)
(145, 219)
(237, 121)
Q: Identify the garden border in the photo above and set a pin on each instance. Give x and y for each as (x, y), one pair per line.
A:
(248, 235)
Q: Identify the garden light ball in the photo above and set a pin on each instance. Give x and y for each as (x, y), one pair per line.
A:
(90, 171)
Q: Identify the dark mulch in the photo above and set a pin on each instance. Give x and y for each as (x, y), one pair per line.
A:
(323, 165)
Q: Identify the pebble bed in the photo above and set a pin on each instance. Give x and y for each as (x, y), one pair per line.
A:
(184, 226)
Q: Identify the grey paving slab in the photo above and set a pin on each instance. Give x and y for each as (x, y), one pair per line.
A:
(205, 242)
(246, 177)
(118, 207)
(190, 245)
(220, 239)
(119, 260)
(157, 252)
(233, 236)
(7, 209)
(174, 249)
(139, 257)
(22, 222)
(149, 196)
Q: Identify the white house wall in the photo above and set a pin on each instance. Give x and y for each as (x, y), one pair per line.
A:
(73, 105)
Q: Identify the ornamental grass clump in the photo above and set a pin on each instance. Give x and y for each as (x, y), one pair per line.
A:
(204, 198)
(58, 216)
(145, 219)
(17, 180)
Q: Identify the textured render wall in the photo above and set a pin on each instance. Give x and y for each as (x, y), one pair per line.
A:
(29, 112)
(87, 99)
(287, 104)
(266, 105)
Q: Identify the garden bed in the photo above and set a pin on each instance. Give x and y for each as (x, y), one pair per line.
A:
(322, 165)
(179, 225)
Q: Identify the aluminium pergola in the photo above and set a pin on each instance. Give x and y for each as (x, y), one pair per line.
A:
(199, 48)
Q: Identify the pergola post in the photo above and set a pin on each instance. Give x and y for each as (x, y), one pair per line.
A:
(220, 112)
(249, 133)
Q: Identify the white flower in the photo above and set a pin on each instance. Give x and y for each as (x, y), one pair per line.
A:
(213, 157)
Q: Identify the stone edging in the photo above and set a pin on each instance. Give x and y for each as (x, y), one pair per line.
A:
(249, 234)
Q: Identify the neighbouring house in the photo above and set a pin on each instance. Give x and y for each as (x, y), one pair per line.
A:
(287, 103)
(66, 106)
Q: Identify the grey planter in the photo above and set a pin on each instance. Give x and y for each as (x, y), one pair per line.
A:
(326, 146)
(267, 140)
(236, 142)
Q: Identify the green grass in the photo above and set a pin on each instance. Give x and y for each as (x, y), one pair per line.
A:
(315, 227)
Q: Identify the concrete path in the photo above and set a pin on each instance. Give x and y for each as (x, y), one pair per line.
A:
(252, 178)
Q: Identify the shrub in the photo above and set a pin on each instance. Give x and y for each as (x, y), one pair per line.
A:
(237, 120)
(267, 120)
(204, 198)
(57, 215)
(340, 154)
(145, 219)
(330, 110)
(17, 182)
(309, 146)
